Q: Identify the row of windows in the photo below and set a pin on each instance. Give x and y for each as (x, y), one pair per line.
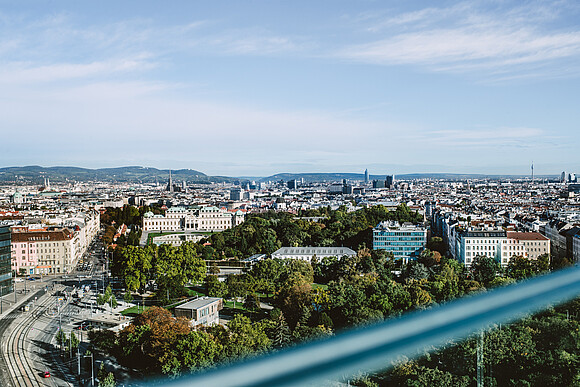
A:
(397, 248)
(398, 244)
(400, 233)
(482, 241)
(399, 239)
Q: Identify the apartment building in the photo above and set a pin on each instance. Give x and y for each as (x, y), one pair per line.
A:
(471, 243)
(500, 245)
(534, 244)
(43, 251)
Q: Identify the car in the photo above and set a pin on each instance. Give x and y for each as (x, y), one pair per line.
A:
(46, 374)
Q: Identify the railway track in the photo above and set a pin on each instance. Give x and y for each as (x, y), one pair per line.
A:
(17, 359)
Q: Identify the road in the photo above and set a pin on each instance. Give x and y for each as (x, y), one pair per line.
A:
(27, 346)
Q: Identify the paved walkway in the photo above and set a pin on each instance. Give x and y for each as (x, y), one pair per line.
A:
(14, 300)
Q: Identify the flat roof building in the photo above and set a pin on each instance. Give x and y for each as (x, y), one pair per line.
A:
(201, 311)
(6, 283)
(307, 253)
(404, 241)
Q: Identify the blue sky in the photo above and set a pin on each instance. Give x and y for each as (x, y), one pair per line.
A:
(260, 87)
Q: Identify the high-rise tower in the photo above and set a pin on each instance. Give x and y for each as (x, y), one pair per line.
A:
(366, 176)
(169, 183)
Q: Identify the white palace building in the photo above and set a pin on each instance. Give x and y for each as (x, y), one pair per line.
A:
(192, 219)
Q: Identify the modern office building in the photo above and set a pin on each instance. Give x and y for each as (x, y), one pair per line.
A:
(203, 311)
(378, 184)
(576, 244)
(367, 177)
(236, 194)
(6, 282)
(404, 241)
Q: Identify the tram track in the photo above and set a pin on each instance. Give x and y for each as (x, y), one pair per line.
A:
(22, 371)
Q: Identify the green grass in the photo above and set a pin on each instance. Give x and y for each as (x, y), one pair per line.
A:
(191, 293)
(152, 235)
(134, 310)
(319, 286)
(239, 305)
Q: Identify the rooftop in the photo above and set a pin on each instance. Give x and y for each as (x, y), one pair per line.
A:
(198, 303)
(338, 251)
(527, 236)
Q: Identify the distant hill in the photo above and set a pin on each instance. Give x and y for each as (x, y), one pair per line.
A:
(329, 177)
(36, 174)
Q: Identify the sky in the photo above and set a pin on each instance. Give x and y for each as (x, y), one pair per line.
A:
(253, 88)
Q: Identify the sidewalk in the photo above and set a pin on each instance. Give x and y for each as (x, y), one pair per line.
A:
(9, 303)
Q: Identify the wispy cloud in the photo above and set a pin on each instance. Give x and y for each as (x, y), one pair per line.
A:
(24, 73)
(469, 37)
(486, 137)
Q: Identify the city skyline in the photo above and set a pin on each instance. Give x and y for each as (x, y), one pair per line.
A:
(263, 88)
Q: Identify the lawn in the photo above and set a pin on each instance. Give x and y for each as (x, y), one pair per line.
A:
(319, 286)
(134, 310)
(152, 235)
(239, 305)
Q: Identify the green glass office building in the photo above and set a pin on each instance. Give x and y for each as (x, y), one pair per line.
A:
(404, 241)
(5, 261)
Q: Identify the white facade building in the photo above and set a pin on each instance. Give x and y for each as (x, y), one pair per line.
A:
(195, 219)
(500, 245)
(473, 243)
(203, 311)
(307, 253)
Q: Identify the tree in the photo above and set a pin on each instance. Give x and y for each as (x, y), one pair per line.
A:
(252, 302)
(134, 264)
(128, 297)
(214, 269)
(543, 263)
(73, 342)
(237, 287)
(416, 271)
(214, 287)
(108, 381)
(60, 338)
(520, 268)
(484, 269)
(244, 338)
(281, 331)
(189, 352)
(150, 338)
(294, 298)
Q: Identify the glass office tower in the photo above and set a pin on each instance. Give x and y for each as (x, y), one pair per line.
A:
(5, 261)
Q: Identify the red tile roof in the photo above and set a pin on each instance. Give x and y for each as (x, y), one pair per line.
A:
(526, 236)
